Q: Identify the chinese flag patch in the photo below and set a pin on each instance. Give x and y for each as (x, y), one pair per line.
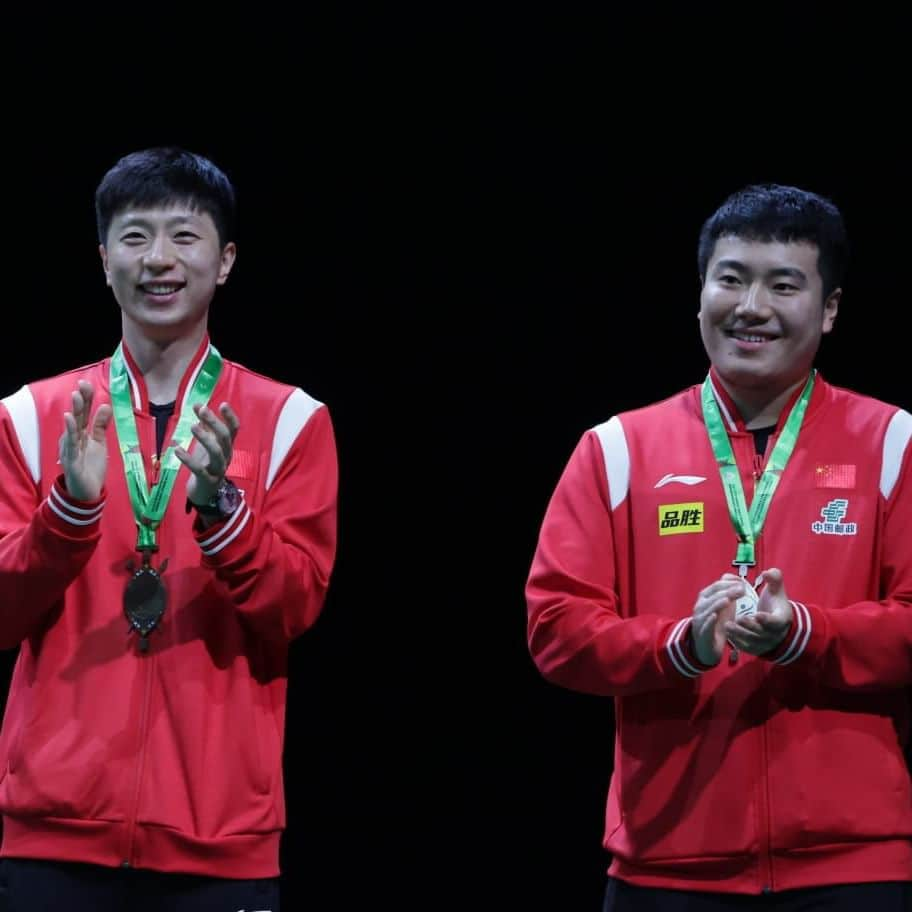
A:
(834, 476)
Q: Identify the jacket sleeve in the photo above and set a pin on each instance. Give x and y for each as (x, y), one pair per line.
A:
(579, 634)
(44, 542)
(276, 563)
(866, 645)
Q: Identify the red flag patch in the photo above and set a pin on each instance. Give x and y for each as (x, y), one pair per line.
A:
(828, 475)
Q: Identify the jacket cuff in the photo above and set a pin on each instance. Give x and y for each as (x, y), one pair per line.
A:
(69, 517)
(796, 640)
(212, 540)
(680, 652)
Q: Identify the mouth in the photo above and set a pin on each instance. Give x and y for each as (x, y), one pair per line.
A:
(161, 289)
(751, 338)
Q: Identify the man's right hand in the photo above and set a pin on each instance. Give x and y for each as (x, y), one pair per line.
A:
(714, 607)
(83, 448)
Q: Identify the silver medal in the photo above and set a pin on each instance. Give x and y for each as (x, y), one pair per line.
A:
(746, 605)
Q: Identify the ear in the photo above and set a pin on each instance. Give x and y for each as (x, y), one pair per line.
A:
(830, 309)
(228, 256)
(104, 263)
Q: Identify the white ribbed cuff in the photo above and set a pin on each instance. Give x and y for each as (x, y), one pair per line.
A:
(677, 652)
(227, 532)
(801, 633)
(68, 511)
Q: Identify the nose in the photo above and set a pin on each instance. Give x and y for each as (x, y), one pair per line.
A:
(753, 301)
(160, 253)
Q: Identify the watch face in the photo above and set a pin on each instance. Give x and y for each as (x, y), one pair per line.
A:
(229, 498)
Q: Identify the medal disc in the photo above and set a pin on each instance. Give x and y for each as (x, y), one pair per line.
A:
(144, 600)
(746, 605)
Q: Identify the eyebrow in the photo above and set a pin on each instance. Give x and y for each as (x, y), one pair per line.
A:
(143, 220)
(786, 272)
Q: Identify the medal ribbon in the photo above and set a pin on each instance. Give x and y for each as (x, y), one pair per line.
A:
(749, 523)
(149, 505)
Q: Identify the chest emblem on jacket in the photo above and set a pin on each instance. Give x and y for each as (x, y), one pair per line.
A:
(679, 518)
(833, 515)
(834, 476)
(680, 479)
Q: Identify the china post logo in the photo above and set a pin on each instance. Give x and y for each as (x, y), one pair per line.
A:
(833, 515)
(675, 519)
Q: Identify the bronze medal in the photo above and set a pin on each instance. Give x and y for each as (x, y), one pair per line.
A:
(144, 600)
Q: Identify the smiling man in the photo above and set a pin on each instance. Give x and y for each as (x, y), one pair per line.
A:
(167, 526)
(734, 566)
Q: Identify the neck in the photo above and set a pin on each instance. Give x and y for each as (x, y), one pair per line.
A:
(162, 362)
(760, 408)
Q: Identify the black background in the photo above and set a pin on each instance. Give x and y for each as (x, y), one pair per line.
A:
(473, 240)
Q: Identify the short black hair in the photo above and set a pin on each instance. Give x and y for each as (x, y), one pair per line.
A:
(164, 176)
(774, 212)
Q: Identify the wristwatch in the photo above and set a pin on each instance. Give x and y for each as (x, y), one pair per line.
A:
(222, 504)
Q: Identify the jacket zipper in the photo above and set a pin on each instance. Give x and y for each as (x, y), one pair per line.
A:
(147, 660)
(763, 797)
(766, 863)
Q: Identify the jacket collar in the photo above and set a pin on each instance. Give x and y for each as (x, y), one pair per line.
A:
(138, 384)
(734, 423)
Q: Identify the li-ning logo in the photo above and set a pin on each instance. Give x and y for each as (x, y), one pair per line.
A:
(833, 514)
(682, 479)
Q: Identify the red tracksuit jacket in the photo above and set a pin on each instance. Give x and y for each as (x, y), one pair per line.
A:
(764, 773)
(170, 760)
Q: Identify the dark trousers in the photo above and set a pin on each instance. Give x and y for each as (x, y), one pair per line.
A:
(868, 897)
(47, 886)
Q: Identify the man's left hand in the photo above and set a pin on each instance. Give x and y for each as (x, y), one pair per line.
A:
(765, 630)
(210, 459)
